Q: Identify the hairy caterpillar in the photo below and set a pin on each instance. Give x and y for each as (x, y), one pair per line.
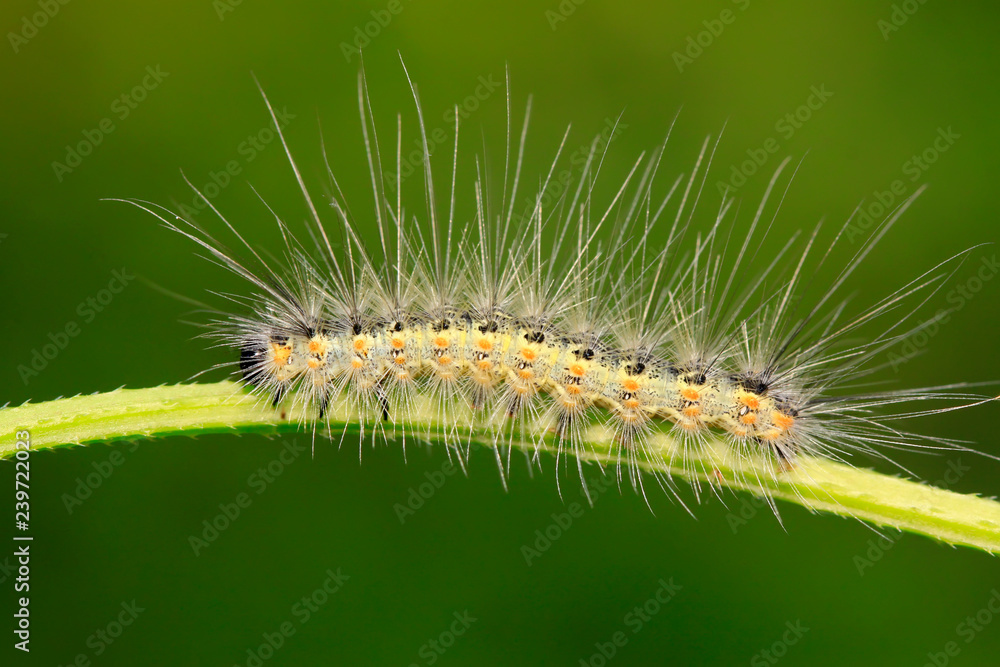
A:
(536, 326)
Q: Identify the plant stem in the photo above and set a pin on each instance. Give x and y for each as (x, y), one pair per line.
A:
(223, 407)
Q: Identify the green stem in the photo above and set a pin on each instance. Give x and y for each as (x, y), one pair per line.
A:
(821, 485)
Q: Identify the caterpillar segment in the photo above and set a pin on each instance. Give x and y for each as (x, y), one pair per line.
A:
(501, 363)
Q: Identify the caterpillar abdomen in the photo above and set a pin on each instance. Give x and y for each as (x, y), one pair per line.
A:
(501, 363)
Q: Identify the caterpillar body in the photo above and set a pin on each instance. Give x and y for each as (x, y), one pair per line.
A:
(535, 326)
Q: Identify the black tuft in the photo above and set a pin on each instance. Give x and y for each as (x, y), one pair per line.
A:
(250, 358)
(752, 384)
(635, 369)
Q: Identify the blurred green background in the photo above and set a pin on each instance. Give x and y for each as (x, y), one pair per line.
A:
(742, 584)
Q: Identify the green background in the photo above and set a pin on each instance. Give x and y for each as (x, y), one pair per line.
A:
(462, 550)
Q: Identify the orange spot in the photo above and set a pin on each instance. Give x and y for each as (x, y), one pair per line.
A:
(751, 401)
(485, 344)
(690, 394)
(782, 421)
(485, 365)
(692, 411)
(749, 419)
(441, 341)
(398, 343)
(316, 346)
(402, 376)
(444, 360)
(573, 390)
(630, 385)
(528, 353)
(356, 363)
(578, 370)
(360, 344)
(525, 373)
(281, 354)
(313, 363)
(631, 404)
(400, 360)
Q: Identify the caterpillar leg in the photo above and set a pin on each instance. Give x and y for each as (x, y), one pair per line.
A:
(279, 395)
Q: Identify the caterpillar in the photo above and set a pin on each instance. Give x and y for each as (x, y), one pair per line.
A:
(536, 325)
